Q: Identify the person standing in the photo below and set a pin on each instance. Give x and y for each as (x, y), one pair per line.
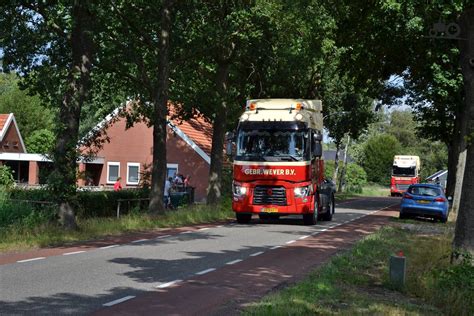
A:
(166, 194)
(186, 181)
(117, 185)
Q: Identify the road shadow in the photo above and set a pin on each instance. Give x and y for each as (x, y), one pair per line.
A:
(65, 303)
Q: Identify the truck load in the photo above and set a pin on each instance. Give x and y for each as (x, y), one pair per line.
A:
(277, 168)
(405, 172)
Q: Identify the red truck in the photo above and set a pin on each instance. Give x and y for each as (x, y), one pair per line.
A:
(277, 168)
(405, 172)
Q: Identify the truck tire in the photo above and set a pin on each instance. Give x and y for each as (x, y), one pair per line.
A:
(312, 218)
(330, 210)
(243, 218)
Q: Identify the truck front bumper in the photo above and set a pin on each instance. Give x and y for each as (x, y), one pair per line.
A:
(299, 208)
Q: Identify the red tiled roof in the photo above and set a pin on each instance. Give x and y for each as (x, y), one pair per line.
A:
(3, 120)
(198, 130)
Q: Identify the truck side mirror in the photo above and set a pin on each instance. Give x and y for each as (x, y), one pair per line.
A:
(229, 137)
(317, 149)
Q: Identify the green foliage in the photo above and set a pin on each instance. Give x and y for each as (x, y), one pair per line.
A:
(377, 157)
(356, 178)
(30, 113)
(23, 214)
(89, 203)
(40, 142)
(6, 178)
(329, 169)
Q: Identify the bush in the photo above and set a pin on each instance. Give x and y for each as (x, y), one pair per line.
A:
(377, 157)
(356, 178)
(6, 177)
(23, 214)
(90, 203)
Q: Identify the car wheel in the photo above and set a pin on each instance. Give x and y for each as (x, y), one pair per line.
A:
(403, 216)
(330, 210)
(243, 218)
(312, 219)
(443, 219)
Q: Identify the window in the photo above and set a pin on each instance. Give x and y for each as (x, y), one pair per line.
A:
(113, 171)
(171, 169)
(133, 173)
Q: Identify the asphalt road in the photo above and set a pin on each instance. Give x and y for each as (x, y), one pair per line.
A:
(86, 281)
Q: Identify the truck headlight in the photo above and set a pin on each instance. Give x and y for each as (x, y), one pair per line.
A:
(238, 190)
(303, 191)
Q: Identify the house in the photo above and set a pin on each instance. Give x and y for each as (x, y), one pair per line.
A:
(440, 177)
(13, 153)
(129, 152)
(330, 155)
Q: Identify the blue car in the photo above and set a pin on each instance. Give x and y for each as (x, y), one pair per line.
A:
(427, 200)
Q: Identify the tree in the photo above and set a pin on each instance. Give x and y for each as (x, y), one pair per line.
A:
(464, 233)
(51, 44)
(40, 142)
(29, 111)
(218, 45)
(141, 42)
(377, 157)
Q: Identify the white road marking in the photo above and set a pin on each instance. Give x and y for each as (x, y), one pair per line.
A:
(304, 237)
(32, 259)
(290, 242)
(188, 232)
(234, 262)
(205, 271)
(73, 253)
(139, 240)
(120, 300)
(164, 236)
(256, 254)
(205, 228)
(168, 284)
(220, 226)
(108, 247)
(275, 247)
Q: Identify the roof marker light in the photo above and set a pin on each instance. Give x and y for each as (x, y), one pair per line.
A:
(298, 106)
(252, 107)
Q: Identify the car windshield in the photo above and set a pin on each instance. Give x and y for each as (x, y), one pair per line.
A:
(398, 171)
(424, 191)
(272, 145)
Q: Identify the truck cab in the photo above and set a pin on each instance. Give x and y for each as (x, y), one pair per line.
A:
(277, 167)
(405, 172)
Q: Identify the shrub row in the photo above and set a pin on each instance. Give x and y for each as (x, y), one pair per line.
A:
(90, 203)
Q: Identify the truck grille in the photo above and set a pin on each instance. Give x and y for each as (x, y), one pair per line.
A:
(402, 187)
(269, 195)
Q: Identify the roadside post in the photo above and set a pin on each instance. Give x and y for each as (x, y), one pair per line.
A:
(398, 269)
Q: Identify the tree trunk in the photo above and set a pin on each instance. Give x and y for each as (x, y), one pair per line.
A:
(344, 166)
(160, 110)
(336, 163)
(214, 192)
(464, 233)
(457, 158)
(63, 177)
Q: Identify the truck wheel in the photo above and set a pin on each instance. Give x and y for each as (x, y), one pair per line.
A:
(243, 218)
(311, 219)
(330, 210)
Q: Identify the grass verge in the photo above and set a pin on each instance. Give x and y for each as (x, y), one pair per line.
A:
(21, 237)
(357, 283)
(367, 190)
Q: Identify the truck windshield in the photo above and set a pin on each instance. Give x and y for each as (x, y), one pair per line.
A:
(272, 145)
(409, 172)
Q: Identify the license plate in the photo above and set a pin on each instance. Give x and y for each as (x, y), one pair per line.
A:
(424, 201)
(269, 210)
